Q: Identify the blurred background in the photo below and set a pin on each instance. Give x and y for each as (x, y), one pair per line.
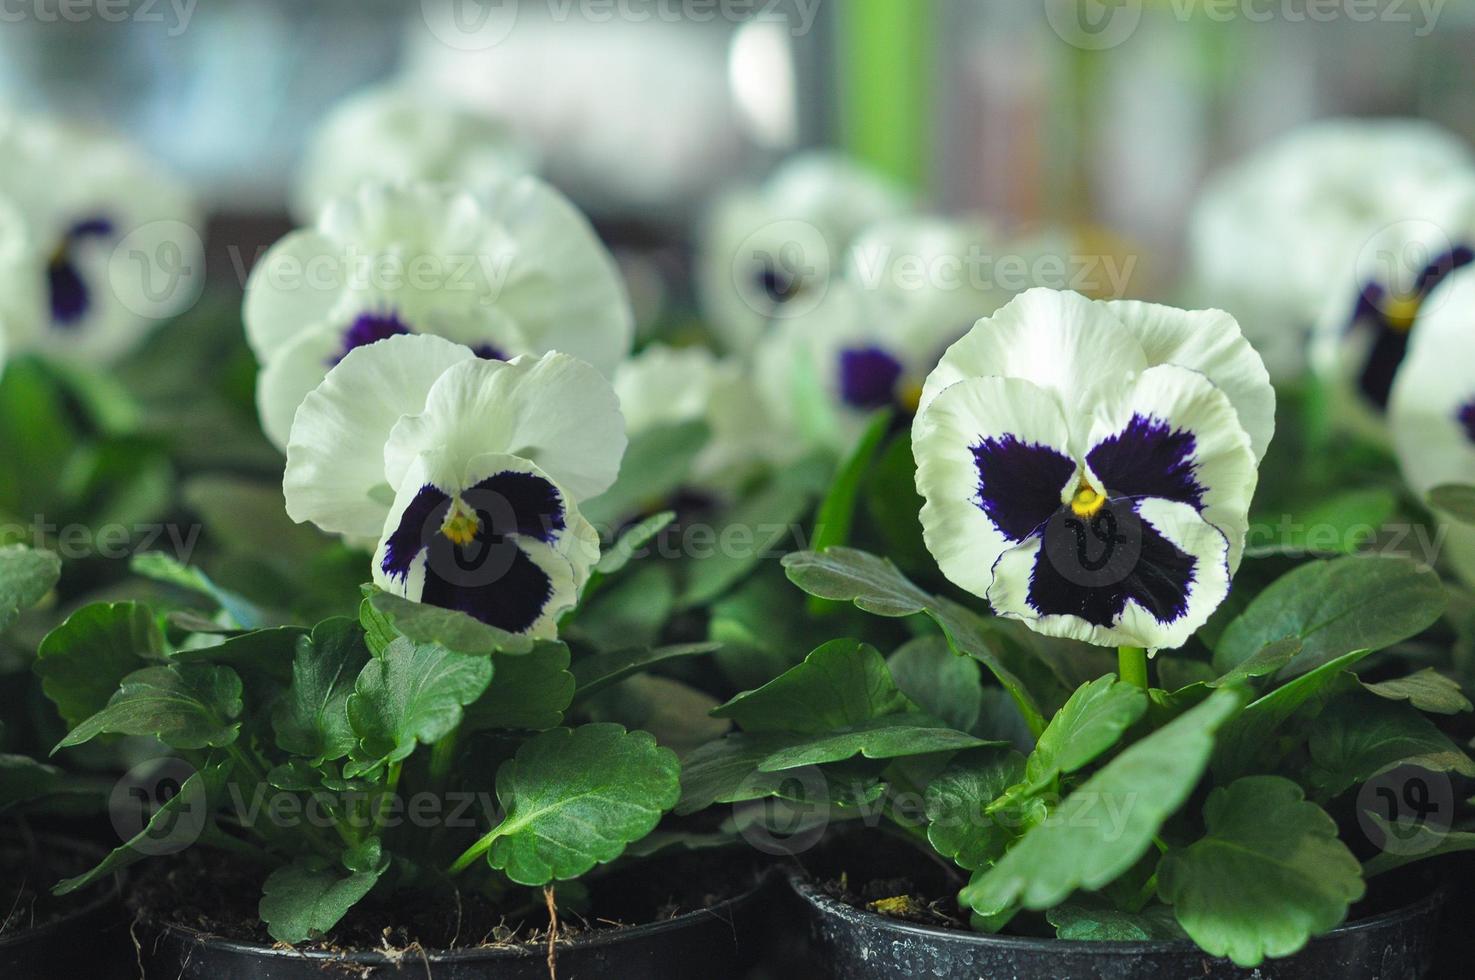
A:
(1099, 114)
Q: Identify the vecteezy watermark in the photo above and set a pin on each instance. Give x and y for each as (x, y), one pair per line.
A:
(158, 269)
(159, 806)
(1406, 810)
(479, 25)
(114, 542)
(1098, 25)
(350, 269)
(174, 14)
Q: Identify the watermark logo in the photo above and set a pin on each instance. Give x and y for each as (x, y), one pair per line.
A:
(470, 25)
(156, 807)
(158, 270)
(1093, 25)
(1406, 810)
(783, 269)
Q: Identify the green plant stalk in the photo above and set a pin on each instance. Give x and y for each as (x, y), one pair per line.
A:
(1132, 666)
(391, 787)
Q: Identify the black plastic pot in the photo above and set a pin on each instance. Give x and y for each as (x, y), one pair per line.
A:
(89, 940)
(718, 942)
(843, 941)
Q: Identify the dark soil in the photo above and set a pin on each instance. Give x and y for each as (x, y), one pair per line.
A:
(26, 877)
(218, 895)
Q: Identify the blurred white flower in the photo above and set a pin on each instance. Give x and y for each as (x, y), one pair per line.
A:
(1088, 466)
(97, 244)
(398, 132)
(467, 472)
(1275, 238)
(509, 267)
(769, 253)
(1431, 412)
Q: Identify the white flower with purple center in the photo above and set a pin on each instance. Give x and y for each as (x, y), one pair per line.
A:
(1088, 466)
(1431, 410)
(1275, 237)
(468, 473)
(97, 243)
(911, 288)
(509, 267)
(395, 133)
(769, 253)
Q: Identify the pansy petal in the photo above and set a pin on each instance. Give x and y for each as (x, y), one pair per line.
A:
(297, 282)
(1056, 339)
(993, 463)
(335, 453)
(291, 374)
(1431, 414)
(555, 410)
(1210, 342)
(1172, 434)
(1139, 573)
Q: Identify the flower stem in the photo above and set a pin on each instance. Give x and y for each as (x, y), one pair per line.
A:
(1132, 665)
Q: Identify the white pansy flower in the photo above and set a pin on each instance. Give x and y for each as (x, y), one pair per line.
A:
(910, 288)
(1275, 237)
(768, 253)
(667, 386)
(468, 473)
(509, 268)
(97, 243)
(1088, 466)
(395, 133)
(1431, 412)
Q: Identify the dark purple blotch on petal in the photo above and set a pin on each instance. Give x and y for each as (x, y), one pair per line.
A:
(1466, 416)
(490, 577)
(1149, 458)
(1020, 483)
(488, 352)
(1091, 567)
(369, 328)
(775, 281)
(1390, 341)
(868, 377)
(70, 297)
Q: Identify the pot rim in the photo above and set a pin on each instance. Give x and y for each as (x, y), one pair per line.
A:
(105, 893)
(371, 957)
(808, 890)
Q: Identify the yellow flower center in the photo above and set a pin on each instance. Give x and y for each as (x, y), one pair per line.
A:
(1401, 311)
(461, 524)
(1087, 502)
(910, 396)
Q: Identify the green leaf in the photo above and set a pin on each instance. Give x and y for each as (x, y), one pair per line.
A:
(1091, 722)
(174, 826)
(425, 625)
(1455, 499)
(1269, 660)
(874, 585)
(893, 505)
(82, 661)
(308, 897)
(185, 706)
(1359, 736)
(311, 717)
(23, 778)
(1417, 842)
(725, 770)
(575, 798)
(840, 684)
(655, 466)
(264, 653)
(1335, 607)
(1249, 731)
(837, 511)
(1105, 826)
(938, 681)
(631, 611)
(623, 551)
(1427, 690)
(26, 576)
(412, 693)
(1339, 525)
(764, 628)
(161, 568)
(596, 672)
(887, 737)
(752, 531)
(1268, 874)
(529, 691)
(960, 826)
(1101, 922)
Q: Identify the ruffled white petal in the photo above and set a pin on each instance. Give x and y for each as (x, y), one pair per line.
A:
(554, 410)
(1056, 339)
(1211, 343)
(335, 475)
(957, 530)
(1223, 464)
